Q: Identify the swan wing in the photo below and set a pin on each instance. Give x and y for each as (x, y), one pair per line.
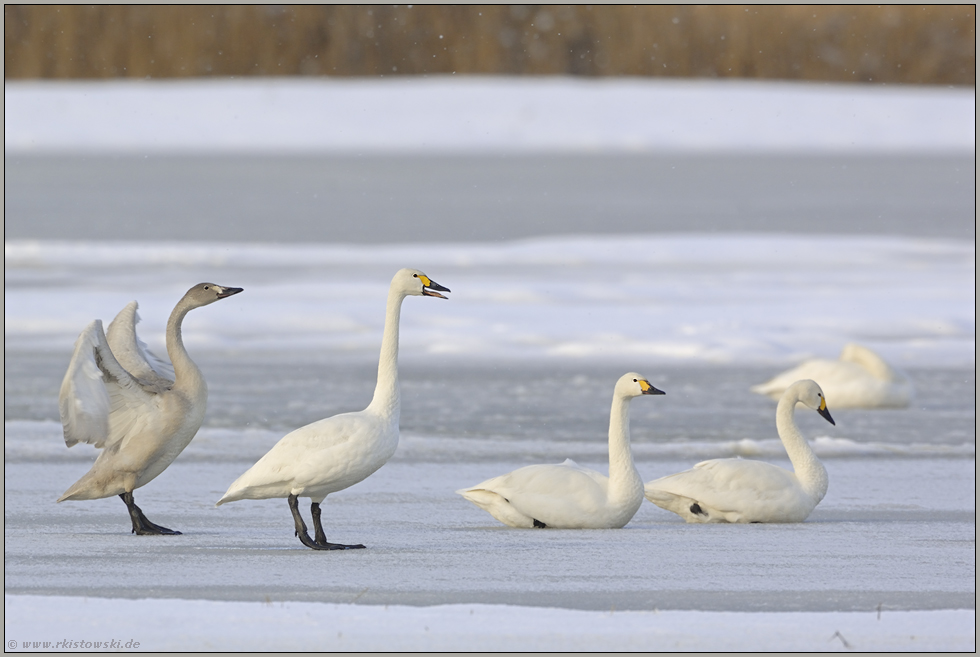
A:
(83, 401)
(737, 490)
(859, 379)
(317, 459)
(557, 495)
(133, 354)
(100, 402)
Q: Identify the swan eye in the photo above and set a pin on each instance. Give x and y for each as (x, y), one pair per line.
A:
(636, 380)
(207, 287)
(415, 275)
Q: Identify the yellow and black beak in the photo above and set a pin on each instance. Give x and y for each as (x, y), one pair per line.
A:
(432, 289)
(648, 389)
(824, 412)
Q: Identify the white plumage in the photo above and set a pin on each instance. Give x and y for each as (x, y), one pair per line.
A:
(860, 378)
(738, 490)
(120, 398)
(567, 495)
(335, 453)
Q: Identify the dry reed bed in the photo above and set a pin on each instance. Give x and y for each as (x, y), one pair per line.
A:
(895, 44)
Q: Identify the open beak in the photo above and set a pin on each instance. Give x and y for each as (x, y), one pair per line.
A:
(825, 413)
(649, 389)
(432, 289)
(228, 291)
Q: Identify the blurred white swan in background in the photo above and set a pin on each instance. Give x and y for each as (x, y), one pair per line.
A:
(119, 397)
(332, 454)
(568, 496)
(860, 378)
(740, 490)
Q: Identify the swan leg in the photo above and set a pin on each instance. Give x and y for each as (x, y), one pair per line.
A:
(301, 531)
(141, 524)
(321, 538)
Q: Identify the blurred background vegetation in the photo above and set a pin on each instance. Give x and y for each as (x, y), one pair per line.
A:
(926, 44)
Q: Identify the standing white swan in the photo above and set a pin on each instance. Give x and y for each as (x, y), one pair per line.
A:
(119, 397)
(332, 454)
(568, 496)
(860, 378)
(737, 490)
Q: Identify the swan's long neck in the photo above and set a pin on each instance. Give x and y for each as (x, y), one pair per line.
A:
(386, 396)
(810, 472)
(624, 480)
(187, 376)
(870, 361)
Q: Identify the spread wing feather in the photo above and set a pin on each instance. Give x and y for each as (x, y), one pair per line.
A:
(99, 401)
(133, 354)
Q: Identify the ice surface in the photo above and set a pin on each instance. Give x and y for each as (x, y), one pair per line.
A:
(194, 625)
(483, 114)
(897, 529)
(874, 543)
(698, 298)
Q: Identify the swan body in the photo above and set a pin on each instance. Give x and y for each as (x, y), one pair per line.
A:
(324, 457)
(860, 378)
(120, 398)
(737, 490)
(337, 452)
(566, 495)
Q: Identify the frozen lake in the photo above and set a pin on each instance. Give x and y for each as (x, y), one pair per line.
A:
(706, 271)
(907, 550)
(904, 550)
(465, 198)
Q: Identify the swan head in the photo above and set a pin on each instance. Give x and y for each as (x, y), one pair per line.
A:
(204, 293)
(634, 385)
(810, 394)
(414, 283)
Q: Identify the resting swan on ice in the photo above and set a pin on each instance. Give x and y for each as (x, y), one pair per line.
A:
(332, 454)
(739, 490)
(568, 496)
(117, 396)
(860, 378)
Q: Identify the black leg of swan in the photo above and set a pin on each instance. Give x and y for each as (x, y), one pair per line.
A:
(321, 538)
(304, 536)
(141, 524)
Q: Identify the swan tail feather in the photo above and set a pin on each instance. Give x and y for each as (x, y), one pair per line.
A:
(238, 492)
(93, 487)
(497, 506)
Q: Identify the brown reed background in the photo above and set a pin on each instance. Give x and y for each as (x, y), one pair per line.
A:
(879, 44)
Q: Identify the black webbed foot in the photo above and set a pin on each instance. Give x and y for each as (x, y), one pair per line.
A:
(321, 538)
(338, 546)
(141, 524)
(320, 543)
